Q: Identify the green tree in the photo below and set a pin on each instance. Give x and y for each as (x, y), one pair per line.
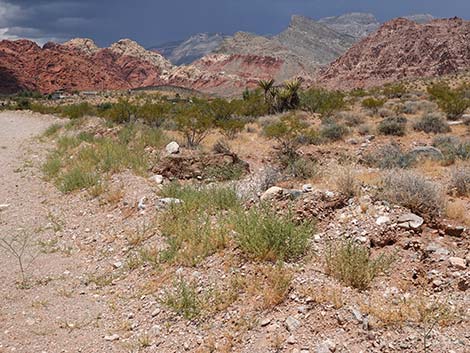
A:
(195, 122)
(321, 101)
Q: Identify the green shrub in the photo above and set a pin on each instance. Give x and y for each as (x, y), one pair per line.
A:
(197, 227)
(195, 122)
(286, 132)
(373, 104)
(263, 234)
(432, 123)
(76, 111)
(76, 179)
(52, 130)
(333, 131)
(321, 101)
(352, 264)
(183, 299)
(454, 102)
(395, 126)
(394, 90)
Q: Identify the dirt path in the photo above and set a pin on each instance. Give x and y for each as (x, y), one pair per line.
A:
(55, 313)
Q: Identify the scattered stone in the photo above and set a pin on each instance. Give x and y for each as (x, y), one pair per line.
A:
(172, 148)
(357, 315)
(167, 201)
(265, 322)
(410, 221)
(271, 193)
(307, 188)
(156, 312)
(141, 206)
(4, 206)
(458, 262)
(326, 347)
(291, 340)
(292, 324)
(454, 231)
(382, 220)
(158, 179)
(117, 264)
(437, 249)
(112, 338)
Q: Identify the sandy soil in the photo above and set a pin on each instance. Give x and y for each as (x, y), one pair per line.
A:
(45, 317)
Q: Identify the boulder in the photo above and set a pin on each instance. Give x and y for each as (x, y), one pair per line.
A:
(272, 193)
(410, 221)
(172, 148)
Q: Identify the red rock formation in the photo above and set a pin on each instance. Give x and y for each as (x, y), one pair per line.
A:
(26, 66)
(402, 49)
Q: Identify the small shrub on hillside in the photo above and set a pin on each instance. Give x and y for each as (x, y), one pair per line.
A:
(351, 119)
(395, 126)
(183, 299)
(373, 104)
(153, 114)
(454, 102)
(432, 123)
(352, 264)
(452, 148)
(410, 107)
(265, 235)
(197, 227)
(394, 90)
(385, 112)
(286, 132)
(390, 156)
(23, 104)
(321, 101)
(364, 129)
(297, 166)
(414, 192)
(460, 180)
(76, 111)
(195, 122)
(346, 182)
(333, 131)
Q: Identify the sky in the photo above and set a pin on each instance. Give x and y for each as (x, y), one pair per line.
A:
(152, 22)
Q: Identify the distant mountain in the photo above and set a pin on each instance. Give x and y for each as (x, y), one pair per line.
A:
(420, 18)
(356, 24)
(189, 50)
(402, 49)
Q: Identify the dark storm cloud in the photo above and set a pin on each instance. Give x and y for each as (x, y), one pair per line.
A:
(154, 21)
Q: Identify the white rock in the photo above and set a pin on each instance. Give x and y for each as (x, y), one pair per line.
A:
(410, 221)
(4, 206)
(382, 220)
(158, 179)
(111, 338)
(307, 188)
(265, 322)
(292, 324)
(172, 148)
(141, 205)
(271, 193)
(458, 262)
(167, 201)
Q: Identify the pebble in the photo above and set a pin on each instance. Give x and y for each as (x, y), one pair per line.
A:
(292, 324)
(4, 206)
(112, 338)
(458, 262)
(382, 220)
(265, 322)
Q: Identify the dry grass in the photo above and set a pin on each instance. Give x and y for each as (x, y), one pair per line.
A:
(458, 210)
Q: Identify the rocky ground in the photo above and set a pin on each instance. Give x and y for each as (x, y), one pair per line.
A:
(86, 291)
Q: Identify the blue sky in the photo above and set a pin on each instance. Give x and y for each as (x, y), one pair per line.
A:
(155, 21)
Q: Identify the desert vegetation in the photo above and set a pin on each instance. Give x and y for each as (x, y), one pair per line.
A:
(265, 210)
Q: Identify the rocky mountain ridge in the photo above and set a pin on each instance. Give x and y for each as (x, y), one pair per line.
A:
(402, 49)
